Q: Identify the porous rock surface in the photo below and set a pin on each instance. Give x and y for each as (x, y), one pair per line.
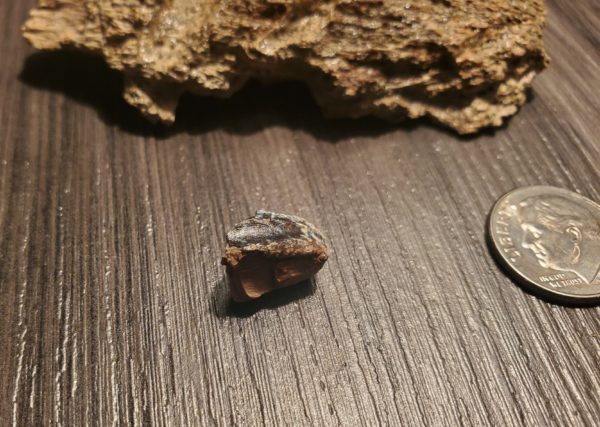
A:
(464, 63)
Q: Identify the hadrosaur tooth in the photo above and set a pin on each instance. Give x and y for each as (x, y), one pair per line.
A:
(270, 251)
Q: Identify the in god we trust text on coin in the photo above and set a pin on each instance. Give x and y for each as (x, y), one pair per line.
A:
(549, 239)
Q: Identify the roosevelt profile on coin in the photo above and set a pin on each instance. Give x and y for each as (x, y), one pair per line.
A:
(563, 235)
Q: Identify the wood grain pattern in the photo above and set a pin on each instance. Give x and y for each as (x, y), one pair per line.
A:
(113, 309)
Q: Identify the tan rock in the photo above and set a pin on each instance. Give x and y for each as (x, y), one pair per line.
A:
(466, 64)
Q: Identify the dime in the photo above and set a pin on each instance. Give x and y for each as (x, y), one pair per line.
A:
(549, 239)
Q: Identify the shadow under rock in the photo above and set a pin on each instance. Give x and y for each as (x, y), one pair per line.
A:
(224, 306)
(88, 80)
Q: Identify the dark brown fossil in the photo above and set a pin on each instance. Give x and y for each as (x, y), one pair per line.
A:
(271, 251)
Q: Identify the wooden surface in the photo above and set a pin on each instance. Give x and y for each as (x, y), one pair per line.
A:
(113, 307)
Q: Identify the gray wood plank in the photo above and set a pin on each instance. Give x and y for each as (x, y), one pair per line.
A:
(113, 308)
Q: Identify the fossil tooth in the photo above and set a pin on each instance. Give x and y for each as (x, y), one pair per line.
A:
(271, 251)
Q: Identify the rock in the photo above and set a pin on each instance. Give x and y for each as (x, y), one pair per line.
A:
(270, 251)
(465, 64)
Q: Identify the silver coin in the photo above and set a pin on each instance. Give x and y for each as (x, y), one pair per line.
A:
(549, 239)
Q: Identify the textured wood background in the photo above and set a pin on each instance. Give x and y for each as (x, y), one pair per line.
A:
(113, 308)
